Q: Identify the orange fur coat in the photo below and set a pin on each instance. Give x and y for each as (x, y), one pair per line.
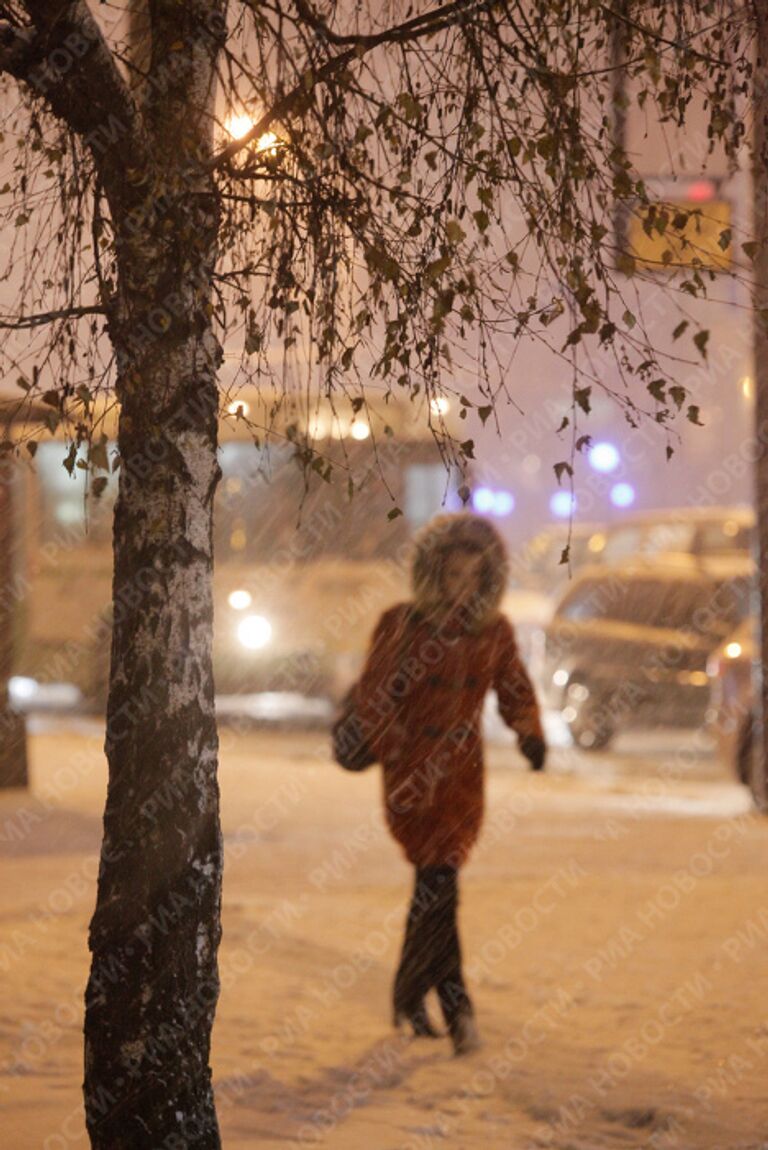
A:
(420, 700)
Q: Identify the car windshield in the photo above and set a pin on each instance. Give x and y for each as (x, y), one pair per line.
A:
(706, 607)
(635, 540)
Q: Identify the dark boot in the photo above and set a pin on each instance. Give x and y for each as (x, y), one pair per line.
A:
(447, 976)
(464, 1034)
(419, 1019)
(414, 974)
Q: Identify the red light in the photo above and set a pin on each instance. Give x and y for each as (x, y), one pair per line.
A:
(701, 191)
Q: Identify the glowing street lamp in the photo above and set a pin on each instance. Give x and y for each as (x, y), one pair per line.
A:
(503, 503)
(238, 406)
(622, 495)
(604, 457)
(562, 504)
(238, 126)
(483, 500)
(269, 143)
(267, 146)
(496, 503)
(254, 632)
(239, 600)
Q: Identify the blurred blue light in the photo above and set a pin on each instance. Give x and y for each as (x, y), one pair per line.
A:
(622, 495)
(488, 502)
(604, 457)
(562, 504)
(483, 499)
(503, 503)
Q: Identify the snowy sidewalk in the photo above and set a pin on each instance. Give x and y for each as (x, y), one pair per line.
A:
(614, 918)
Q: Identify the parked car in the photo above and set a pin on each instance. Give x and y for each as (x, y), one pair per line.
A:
(628, 644)
(731, 715)
(705, 532)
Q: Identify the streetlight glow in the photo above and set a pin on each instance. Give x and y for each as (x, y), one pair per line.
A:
(254, 632)
(269, 142)
(562, 504)
(622, 495)
(238, 407)
(239, 600)
(483, 499)
(238, 126)
(604, 457)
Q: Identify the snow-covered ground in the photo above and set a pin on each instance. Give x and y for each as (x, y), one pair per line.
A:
(614, 917)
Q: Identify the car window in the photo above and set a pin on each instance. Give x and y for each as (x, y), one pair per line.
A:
(582, 602)
(615, 598)
(656, 603)
(723, 538)
(632, 541)
(709, 608)
(622, 543)
(727, 605)
(667, 537)
(700, 606)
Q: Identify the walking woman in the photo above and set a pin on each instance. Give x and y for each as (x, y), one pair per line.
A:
(419, 702)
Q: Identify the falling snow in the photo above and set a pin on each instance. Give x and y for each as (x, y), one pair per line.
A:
(614, 935)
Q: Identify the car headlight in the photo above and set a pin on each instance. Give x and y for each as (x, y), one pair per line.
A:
(239, 600)
(254, 632)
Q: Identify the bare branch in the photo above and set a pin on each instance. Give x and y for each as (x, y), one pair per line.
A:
(437, 20)
(649, 34)
(440, 17)
(27, 321)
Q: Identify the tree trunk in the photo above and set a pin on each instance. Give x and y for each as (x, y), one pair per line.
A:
(153, 987)
(13, 735)
(152, 992)
(760, 202)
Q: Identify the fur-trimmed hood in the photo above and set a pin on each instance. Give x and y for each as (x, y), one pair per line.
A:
(460, 532)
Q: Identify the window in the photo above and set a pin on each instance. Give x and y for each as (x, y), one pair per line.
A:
(267, 508)
(68, 516)
(429, 489)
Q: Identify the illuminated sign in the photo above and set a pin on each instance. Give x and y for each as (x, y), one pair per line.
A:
(689, 233)
(686, 224)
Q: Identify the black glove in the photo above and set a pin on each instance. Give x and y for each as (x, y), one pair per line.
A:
(535, 751)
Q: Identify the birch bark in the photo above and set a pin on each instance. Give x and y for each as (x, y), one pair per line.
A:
(153, 987)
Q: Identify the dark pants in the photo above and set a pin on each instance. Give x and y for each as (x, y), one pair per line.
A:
(431, 954)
